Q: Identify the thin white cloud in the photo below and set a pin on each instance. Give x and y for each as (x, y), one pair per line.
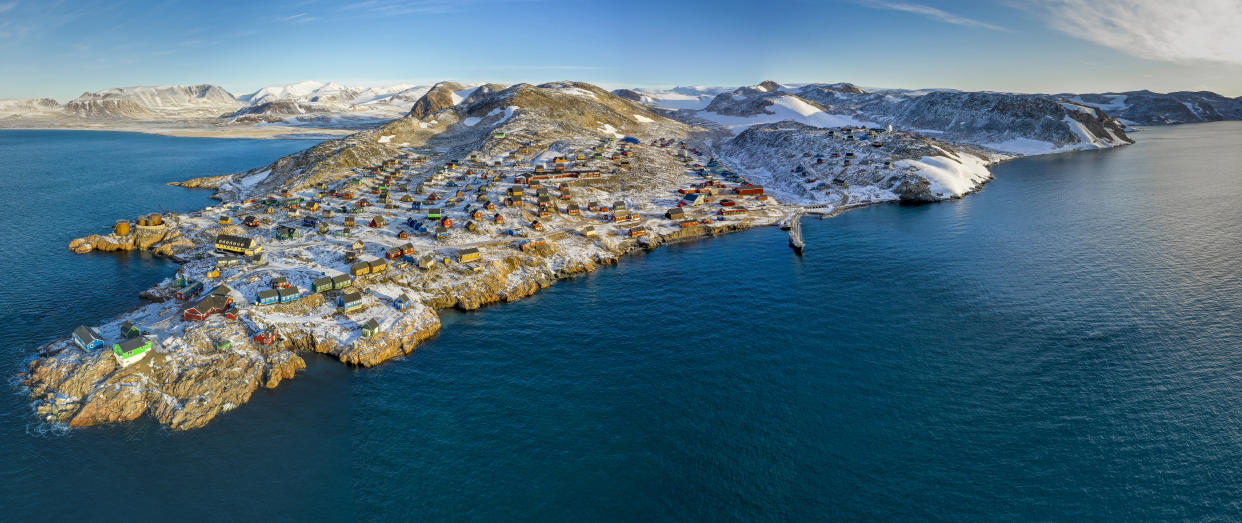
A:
(1185, 31)
(299, 18)
(4, 8)
(934, 14)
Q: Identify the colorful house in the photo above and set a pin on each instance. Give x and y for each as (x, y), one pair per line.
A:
(131, 351)
(370, 328)
(321, 284)
(267, 297)
(468, 255)
(87, 337)
(350, 301)
(128, 330)
(242, 245)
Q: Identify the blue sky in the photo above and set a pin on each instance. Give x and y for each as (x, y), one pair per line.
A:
(61, 49)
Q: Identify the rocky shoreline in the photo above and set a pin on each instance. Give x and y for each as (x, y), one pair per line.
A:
(188, 388)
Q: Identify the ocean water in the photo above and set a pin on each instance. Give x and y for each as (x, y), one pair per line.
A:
(1062, 345)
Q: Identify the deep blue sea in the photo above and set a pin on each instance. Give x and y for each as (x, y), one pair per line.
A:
(1066, 344)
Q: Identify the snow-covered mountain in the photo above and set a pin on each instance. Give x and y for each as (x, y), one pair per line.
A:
(17, 108)
(1008, 123)
(170, 101)
(1148, 108)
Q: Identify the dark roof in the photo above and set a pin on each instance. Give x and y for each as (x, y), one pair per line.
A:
(132, 343)
(352, 296)
(322, 281)
(268, 293)
(371, 324)
(235, 241)
(209, 303)
(86, 334)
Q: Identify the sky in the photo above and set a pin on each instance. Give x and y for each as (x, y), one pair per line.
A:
(60, 49)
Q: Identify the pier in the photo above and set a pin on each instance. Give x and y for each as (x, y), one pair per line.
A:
(795, 233)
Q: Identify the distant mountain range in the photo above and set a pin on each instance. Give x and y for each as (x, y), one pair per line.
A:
(1006, 122)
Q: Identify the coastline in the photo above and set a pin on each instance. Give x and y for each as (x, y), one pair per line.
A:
(81, 389)
(200, 131)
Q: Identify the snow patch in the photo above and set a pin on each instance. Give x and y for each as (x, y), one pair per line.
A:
(950, 176)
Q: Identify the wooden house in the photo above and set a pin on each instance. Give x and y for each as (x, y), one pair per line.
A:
(358, 245)
(434, 214)
(266, 337)
(341, 281)
(280, 282)
(536, 225)
(676, 213)
(748, 190)
(214, 304)
(360, 269)
(636, 232)
(289, 294)
(378, 266)
(190, 289)
(377, 222)
(526, 245)
(129, 330)
(370, 328)
(286, 233)
(407, 249)
(498, 218)
(321, 284)
(131, 351)
(251, 221)
(401, 302)
(350, 301)
(242, 245)
(87, 337)
(573, 210)
(392, 253)
(267, 297)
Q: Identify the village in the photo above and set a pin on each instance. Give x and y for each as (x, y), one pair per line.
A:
(356, 266)
(365, 247)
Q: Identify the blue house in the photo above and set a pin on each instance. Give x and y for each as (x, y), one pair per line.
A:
(290, 294)
(630, 139)
(89, 339)
(267, 297)
(401, 302)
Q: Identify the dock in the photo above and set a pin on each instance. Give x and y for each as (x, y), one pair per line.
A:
(795, 233)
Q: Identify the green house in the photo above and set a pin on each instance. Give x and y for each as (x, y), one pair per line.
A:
(370, 328)
(224, 345)
(434, 213)
(128, 330)
(322, 284)
(130, 351)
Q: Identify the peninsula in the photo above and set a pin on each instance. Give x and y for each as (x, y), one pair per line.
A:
(488, 193)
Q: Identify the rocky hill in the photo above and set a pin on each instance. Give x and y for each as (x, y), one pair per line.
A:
(1148, 108)
(487, 120)
(1009, 123)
